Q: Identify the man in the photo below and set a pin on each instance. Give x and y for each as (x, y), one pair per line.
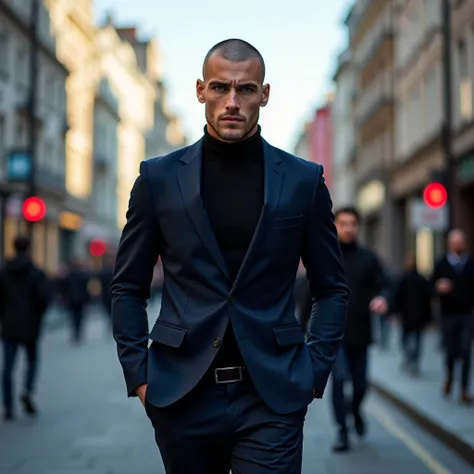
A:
(76, 295)
(228, 377)
(412, 302)
(370, 289)
(25, 294)
(453, 282)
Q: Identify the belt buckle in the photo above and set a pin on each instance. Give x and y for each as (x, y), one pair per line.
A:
(224, 369)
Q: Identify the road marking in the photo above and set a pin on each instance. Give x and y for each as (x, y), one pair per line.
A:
(411, 443)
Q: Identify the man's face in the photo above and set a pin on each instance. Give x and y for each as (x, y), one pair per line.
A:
(347, 227)
(233, 94)
(457, 242)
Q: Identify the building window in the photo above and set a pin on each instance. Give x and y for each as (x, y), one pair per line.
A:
(19, 132)
(20, 69)
(416, 127)
(2, 140)
(432, 99)
(4, 54)
(465, 82)
(462, 59)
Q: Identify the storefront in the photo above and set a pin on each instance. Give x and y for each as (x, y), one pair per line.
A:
(47, 234)
(464, 212)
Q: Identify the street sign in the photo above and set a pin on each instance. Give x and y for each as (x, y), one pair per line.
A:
(18, 166)
(424, 217)
(13, 206)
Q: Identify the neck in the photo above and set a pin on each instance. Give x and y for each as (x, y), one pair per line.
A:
(211, 131)
(249, 148)
(348, 245)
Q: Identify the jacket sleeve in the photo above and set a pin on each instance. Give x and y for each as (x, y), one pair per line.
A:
(384, 284)
(137, 254)
(322, 258)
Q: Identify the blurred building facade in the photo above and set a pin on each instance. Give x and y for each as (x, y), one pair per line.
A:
(396, 62)
(343, 133)
(315, 141)
(49, 120)
(101, 111)
(463, 116)
(371, 42)
(136, 97)
(105, 163)
(75, 32)
(419, 119)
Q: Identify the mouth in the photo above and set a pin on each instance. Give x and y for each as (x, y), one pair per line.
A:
(230, 118)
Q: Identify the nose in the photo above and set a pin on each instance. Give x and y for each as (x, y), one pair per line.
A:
(232, 104)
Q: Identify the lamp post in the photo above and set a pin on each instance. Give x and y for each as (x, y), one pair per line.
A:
(447, 109)
(32, 100)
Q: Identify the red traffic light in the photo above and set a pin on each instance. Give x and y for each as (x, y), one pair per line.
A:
(34, 209)
(97, 247)
(435, 195)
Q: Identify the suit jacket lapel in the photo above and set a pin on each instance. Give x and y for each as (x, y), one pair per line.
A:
(273, 179)
(189, 179)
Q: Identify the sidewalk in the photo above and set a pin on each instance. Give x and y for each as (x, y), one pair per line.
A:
(57, 317)
(421, 397)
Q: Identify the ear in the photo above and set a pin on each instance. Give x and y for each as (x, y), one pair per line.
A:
(200, 87)
(266, 95)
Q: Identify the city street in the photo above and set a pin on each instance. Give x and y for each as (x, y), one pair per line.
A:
(87, 425)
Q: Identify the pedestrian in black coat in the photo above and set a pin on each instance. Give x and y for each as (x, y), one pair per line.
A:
(412, 302)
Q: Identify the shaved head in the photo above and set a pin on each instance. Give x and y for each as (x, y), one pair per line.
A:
(236, 51)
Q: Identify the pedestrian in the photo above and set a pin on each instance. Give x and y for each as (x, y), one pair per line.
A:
(412, 302)
(453, 282)
(228, 377)
(370, 291)
(105, 276)
(25, 294)
(76, 298)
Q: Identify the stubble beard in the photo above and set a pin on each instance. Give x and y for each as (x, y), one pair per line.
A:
(232, 135)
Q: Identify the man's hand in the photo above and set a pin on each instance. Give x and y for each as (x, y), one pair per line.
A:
(444, 286)
(141, 392)
(379, 305)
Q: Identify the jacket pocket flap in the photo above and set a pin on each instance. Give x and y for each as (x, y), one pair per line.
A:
(167, 334)
(291, 221)
(288, 335)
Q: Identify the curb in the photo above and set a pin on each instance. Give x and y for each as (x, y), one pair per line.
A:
(447, 437)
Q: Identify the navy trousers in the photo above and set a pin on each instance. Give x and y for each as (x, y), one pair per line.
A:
(216, 428)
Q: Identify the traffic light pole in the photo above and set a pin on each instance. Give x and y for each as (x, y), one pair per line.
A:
(32, 99)
(447, 110)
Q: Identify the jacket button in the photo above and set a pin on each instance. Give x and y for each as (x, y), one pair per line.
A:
(216, 342)
(231, 299)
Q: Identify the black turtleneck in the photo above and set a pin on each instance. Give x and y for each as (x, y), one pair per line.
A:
(232, 191)
(348, 246)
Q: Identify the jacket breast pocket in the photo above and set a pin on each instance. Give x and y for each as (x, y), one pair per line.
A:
(287, 222)
(167, 334)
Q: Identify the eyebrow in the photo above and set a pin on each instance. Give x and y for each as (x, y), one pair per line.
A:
(224, 83)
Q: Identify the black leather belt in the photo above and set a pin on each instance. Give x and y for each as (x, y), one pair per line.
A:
(229, 374)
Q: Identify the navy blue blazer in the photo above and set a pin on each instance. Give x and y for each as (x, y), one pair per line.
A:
(166, 218)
